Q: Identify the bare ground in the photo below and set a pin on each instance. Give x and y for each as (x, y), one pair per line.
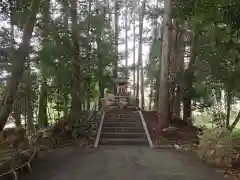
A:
(119, 163)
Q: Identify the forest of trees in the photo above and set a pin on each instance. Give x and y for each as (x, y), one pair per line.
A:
(58, 56)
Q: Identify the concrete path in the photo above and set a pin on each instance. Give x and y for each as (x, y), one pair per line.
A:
(119, 163)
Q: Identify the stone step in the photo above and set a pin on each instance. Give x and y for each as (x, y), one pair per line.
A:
(128, 141)
(123, 129)
(123, 135)
(122, 116)
(122, 120)
(122, 111)
(122, 124)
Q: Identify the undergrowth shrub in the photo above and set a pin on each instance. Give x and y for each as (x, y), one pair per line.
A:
(215, 147)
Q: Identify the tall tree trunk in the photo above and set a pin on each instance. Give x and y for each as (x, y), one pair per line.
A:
(17, 113)
(163, 108)
(187, 101)
(89, 52)
(43, 99)
(140, 63)
(29, 101)
(229, 102)
(126, 38)
(179, 72)
(42, 112)
(66, 17)
(157, 85)
(172, 68)
(140, 54)
(76, 101)
(100, 60)
(134, 55)
(19, 59)
(151, 95)
(116, 9)
(154, 87)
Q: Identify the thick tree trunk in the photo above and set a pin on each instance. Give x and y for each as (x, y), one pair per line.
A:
(154, 87)
(157, 85)
(76, 76)
(140, 62)
(17, 114)
(180, 71)
(100, 59)
(17, 111)
(19, 59)
(126, 38)
(28, 98)
(151, 96)
(43, 98)
(66, 17)
(229, 102)
(178, 68)
(66, 14)
(187, 101)
(163, 109)
(42, 112)
(89, 53)
(30, 125)
(173, 68)
(115, 72)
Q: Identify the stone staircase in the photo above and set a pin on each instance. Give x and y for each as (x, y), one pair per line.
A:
(122, 128)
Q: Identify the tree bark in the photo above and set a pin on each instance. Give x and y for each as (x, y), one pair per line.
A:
(17, 112)
(99, 53)
(42, 112)
(19, 59)
(173, 68)
(126, 39)
(178, 68)
(157, 85)
(29, 101)
(140, 62)
(66, 15)
(43, 98)
(235, 122)
(89, 52)
(134, 55)
(187, 101)
(76, 76)
(229, 102)
(163, 109)
(115, 72)
(151, 95)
